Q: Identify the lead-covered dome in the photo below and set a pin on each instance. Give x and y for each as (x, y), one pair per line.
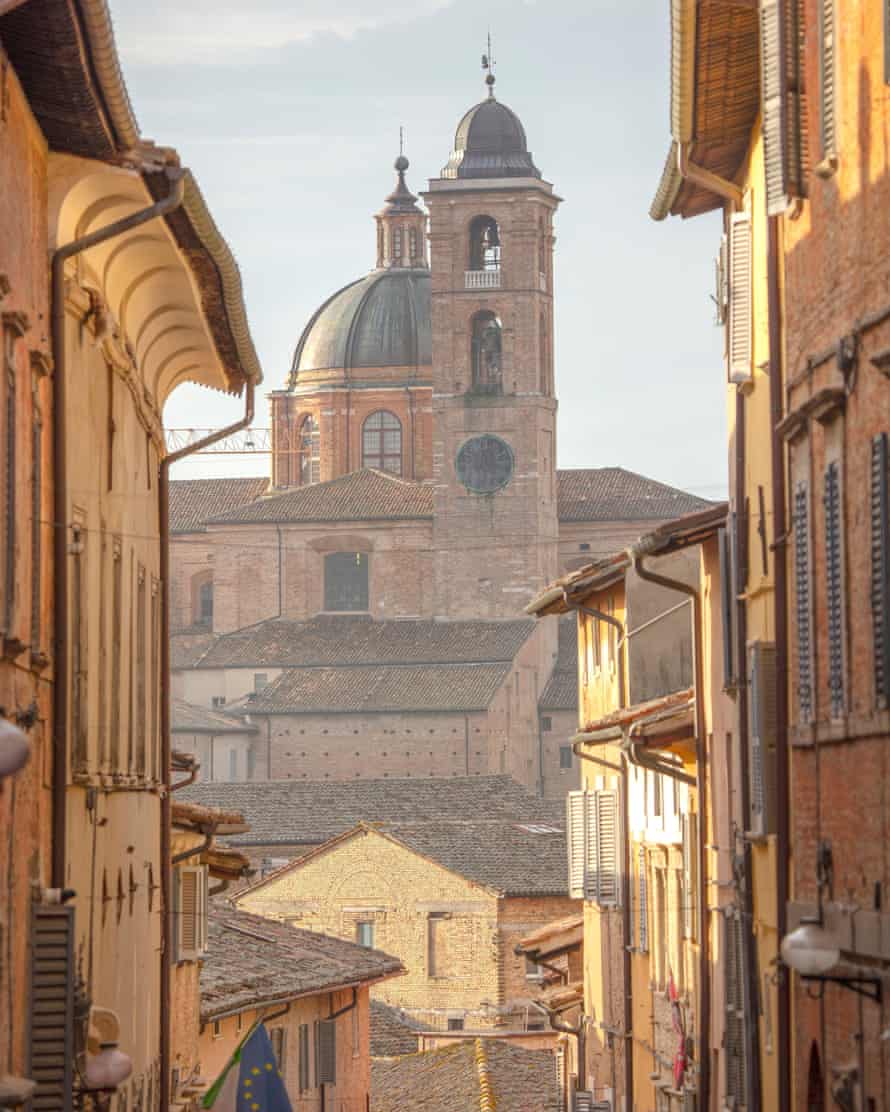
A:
(381, 320)
(490, 142)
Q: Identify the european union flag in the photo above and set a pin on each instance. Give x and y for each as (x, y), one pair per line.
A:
(251, 1081)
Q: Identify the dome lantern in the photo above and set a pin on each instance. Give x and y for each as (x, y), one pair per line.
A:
(401, 225)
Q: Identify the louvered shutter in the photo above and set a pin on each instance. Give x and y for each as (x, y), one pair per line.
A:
(190, 917)
(689, 823)
(575, 830)
(803, 613)
(784, 112)
(827, 83)
(727, 608)
(591, 839)
(834, 588)
(734, 1028)
(304, 1057)
(326, 1052)
(643, 902)
(608, 848)
(880, 560)
(52, 1007)
(560, 1059)
(739, 353)
(762, 729)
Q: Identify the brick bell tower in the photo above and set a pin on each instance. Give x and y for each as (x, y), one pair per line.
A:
(494, 409)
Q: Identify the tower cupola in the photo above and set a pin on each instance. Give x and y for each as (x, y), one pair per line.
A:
(401, 226)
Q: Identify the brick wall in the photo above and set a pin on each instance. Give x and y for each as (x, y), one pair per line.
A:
(518, 917)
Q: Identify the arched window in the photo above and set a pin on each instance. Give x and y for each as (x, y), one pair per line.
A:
(397, 245)
(412, 245)
(382, 442)
(487, 368)
(346, 581)
(309, 448)
(485, 244)
(202, 599)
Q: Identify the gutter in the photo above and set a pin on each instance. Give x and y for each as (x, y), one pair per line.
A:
(166, 741)
(637, 555)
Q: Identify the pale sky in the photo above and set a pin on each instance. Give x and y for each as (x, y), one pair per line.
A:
(288, 114)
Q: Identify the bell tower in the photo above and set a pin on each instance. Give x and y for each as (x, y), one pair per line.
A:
(494, 409)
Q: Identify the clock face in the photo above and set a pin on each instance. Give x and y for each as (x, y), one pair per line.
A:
(485, 464)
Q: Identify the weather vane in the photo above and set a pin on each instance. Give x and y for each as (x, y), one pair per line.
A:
(488, 62)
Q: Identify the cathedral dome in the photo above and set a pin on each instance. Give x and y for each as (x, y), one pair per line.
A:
(381, 320)
(490, 142)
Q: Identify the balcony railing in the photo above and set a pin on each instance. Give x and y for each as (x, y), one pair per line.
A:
(482, 279)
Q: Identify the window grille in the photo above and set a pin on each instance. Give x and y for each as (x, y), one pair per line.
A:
(834, 589)
(880, 560)
(802, 602)
(382, 442)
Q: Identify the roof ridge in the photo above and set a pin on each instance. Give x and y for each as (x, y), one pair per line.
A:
(487, 1099)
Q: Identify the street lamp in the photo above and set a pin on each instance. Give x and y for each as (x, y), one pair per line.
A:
(14, 749)
(105, 1072)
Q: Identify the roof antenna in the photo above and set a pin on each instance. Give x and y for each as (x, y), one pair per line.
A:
(488, 62)
(401, 139)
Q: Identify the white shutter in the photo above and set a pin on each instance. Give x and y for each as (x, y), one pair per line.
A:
(690, 875)
(827, 81)
(740, 331)
(575, 814)
(780, 94)
(643, 902)
(608, 831)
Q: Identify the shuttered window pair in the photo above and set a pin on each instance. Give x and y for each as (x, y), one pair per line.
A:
(784, 109)
(803, 602)
(762, 731)
(594, 844)
(880, 559)
(190, 910)
(834, 588)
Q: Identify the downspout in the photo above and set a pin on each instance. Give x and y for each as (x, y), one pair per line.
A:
(780, 611)
(166, 746)
(60, 501)
(189, 779)
(186, 853)
(637, 755)
(280, 570)
(627, 937)
(576, 1029)
(704, 1064)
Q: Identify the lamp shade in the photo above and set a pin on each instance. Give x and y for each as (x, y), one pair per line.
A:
(14, 749)
(810, 950)
(107, 1069)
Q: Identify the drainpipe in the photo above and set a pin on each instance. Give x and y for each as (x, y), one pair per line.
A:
(637, 755)
(627, 940)
(189, 779)
(576, 1029)
(166, 746)
(60, 501)
(704, 975)
(195, 851)
(780, 615)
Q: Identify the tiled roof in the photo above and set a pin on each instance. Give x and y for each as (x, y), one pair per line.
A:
(393, 1032)
(365, 495)
(195, 501)
(518, 859)
(561, 690)
(306, 812)
(477, 1074)
(330, 640)
(388, 688)
(251, 961)
(188, 647)
(186, 718)
(613, 494)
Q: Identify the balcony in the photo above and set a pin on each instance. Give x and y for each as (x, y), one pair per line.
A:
(482, 279)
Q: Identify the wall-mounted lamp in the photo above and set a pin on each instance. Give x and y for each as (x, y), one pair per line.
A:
(14, 749)
(812, 951)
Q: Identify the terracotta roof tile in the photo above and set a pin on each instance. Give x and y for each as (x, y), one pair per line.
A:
(365, 495)
(614, 494)
(308, 812)
(474, 1074)
(329, 640)
(186, 718)
(387, 688)
(194, 501)
(252, 961)
(393, 1032)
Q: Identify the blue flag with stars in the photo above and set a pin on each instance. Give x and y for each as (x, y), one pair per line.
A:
(251, 1082)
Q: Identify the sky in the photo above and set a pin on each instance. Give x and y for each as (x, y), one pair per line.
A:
(288, 114)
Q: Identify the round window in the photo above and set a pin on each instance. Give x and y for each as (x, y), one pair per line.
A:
(485, 464)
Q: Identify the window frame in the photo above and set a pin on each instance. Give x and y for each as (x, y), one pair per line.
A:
(333, 592)
(376, 457)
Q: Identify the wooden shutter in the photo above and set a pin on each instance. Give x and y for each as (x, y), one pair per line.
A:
(326, 1051)
(880, 559)
(575, 815)
(827, 84)
(739, 353)
(734, 1028)
(52, 1007)
(643, 902)
(803, 602)
(191, 912)
(762, 729)
(304, 1079)
(689, 822)
(608, 838)
(727, 608)
(781, 100)
(834, 588)
(886, 6)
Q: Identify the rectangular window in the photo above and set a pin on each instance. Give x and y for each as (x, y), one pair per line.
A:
(533, 971)
(565, 756)
(437, 956)
(190, 910)
(305, 1081)
(260, 680)
(346, 581)
(834, 585)
(364, 933)
(880, 558)
(218, 700)
(803, 612)
(233, 764)
(546, 724)
(455, 1023)
(217, 1028)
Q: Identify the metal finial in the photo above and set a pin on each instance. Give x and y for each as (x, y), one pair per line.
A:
(401, 163)
(401, 140)
(488, 63)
